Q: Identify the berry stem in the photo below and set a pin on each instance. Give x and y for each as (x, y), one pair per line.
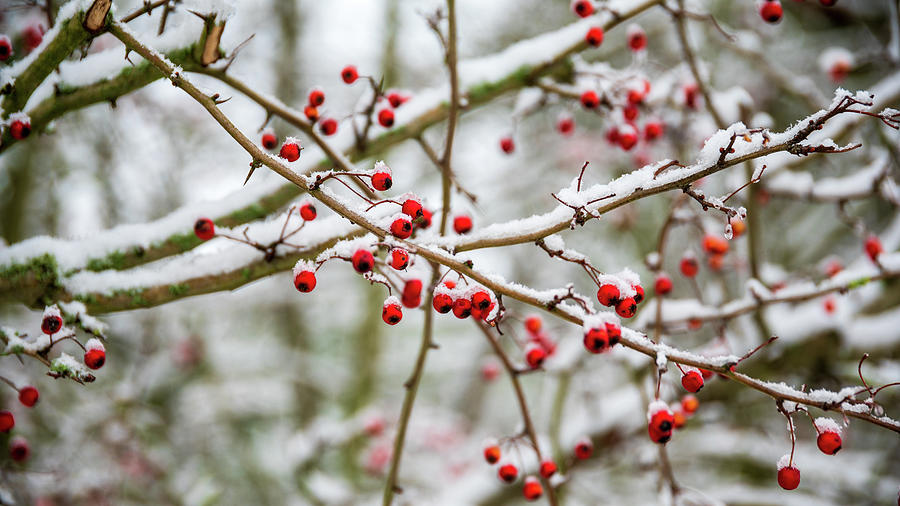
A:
(8, 382)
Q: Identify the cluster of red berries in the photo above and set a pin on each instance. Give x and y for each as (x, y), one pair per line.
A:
(540, 345)
(507, 472)
(18, 445)
(94, 351)
(472, 300)
(621, 296)
(828, 440)
(601, 333)
(395, 98)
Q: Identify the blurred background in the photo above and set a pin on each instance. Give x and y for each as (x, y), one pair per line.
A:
(263, 396)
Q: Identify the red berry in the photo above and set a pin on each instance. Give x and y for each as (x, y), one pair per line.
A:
(5, 48)
(829, 442)
(425, 220)
(290, 150)
(692, 381)
(589, 99)
(269, 141)
(386, 118)
(839, 70)
(507, 145)
(411, 208)
(328, 126)
(349, 74)
(771, 12)
(637, 38)
(830, 305)
(548, 468)
(28, 395)
(608, 294)
(661, 423)
(737, 227)
(873, 247)
(412, 293)
(399, 259)
(534, 324)
(679, 417)
(305, 281)
(462, 308)
(396, 99)
(308, 211)
(663, 284)
(381, 180)
(653, 130)
(535, 356)
(594, 36)
(614, 331)
(689, 404)
(583, 8)
(401, 228)
(311, 113)
(7, 421)
(51, 324)
(32, 36)
(442, 303)
(18, 449)
(95, 358)
(630, 112)
(532, 489)
(363, 261)
(635, 97)
(789, 477)
(638, 293)
(689, 266)
(565, 125)
(492, 454)
(628, 137)
(490, 370)
(706, 373)
(596, 340)
(626, 307)
(481, 299)
(462, 224)
(316, 97)
(508, 473)
(715, 245)
(612, 135)
(691, 94)
(20, 128)
(391, 313)
(584, 448)
(828, 3)
(204, 229)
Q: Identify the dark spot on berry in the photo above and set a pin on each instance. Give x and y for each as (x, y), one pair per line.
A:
(664, 439)
(665, 426)
(393, 319)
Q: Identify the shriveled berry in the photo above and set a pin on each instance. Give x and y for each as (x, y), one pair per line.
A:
(308, 211)
(462, 308)
(462, 224)
(692, 381)
(626, 307)
(328, 126)
(412, 293)
(7, 421)
(392, 313)
(508, 473)
(290, 150)
(532, 489)
(401, 228)
(305, 281)
(442, 303)
(363, 261)
(590, 100)
(316, 97)
(349, 74)
(386, 118)
(771, 12)
(789, 477)
(594, 36)
(608, 294)
(28, 395)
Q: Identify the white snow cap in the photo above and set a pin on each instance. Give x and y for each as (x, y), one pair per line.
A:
(391, 301)
(94, 344)
(292, 140)
(655, 407)
(409, 196)
(303, 265)
(599, 320)
(784, 461)
(380, 166)
(18, 116)
(825, 424)
(834, 55)
(223, 9)
(634, 29)
(50, 311)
